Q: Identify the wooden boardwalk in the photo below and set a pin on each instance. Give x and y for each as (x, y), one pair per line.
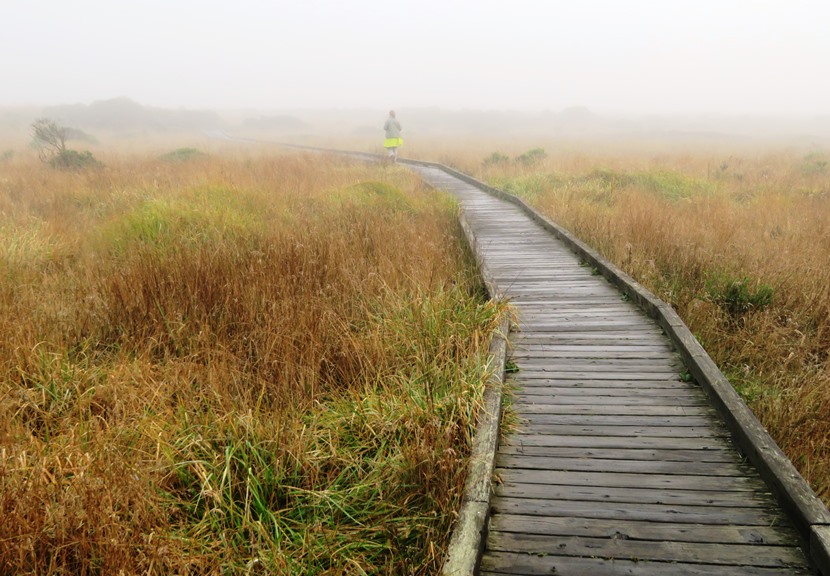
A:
(616, 466)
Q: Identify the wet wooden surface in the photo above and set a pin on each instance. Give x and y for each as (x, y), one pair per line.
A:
(615, 465)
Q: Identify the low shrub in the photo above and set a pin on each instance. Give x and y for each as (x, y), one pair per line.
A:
(495, 158)
(74, 160)
(183, 155)
(738, 297)
(532, 156)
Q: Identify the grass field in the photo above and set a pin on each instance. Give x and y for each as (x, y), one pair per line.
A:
(270, 362)
(737, 240)
(242, 363)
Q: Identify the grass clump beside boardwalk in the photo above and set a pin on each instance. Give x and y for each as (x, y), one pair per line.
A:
(260, 365)
(738, 245)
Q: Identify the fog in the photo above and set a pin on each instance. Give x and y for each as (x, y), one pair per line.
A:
(700, 59)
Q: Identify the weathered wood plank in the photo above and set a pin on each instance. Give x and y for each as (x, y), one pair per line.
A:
(780, 557)
(628, 466)
(616, 431)
(588, 338)
(635, 495)
(642, 442)
(531, 373)
(610, 335)
(523, 409)
(568, 278)
(541, 363)
(652, 350)
(543, 298)
(511, 258)
(643, 530)
(554, 359)
(573, 293)
(616, 420)
(598, 401)
(591, 313)
(626, 400)
(521, 353)
(523, 564)
(567, 285)
(626, 322)
(621, 480)
(533, 388)
(544, 325)
(624, 431)
(674, 383)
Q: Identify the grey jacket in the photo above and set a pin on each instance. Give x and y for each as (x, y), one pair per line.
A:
(392, 128)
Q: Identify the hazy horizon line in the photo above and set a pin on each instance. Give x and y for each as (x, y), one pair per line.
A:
(595, 111)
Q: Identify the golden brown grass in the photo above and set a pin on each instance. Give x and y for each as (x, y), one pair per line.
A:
(737, 242)
(245, 363)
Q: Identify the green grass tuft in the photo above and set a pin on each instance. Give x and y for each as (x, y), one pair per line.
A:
(183, 155)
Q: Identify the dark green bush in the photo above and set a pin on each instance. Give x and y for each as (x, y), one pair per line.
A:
(737, 297)
(496, 158)
(74, 160)
(183, 155)
(532, 156)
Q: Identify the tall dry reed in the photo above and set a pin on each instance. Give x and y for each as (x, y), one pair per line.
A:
(241, 363)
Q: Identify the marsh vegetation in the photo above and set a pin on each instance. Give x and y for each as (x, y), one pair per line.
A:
(239, 363)
(244, 360)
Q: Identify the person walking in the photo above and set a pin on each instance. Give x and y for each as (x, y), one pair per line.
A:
(393, 139)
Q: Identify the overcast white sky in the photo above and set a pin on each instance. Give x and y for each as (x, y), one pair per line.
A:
(630, 56)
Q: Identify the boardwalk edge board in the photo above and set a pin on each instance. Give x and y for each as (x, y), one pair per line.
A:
(470, 534)
(820, 548)
(808, 513)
